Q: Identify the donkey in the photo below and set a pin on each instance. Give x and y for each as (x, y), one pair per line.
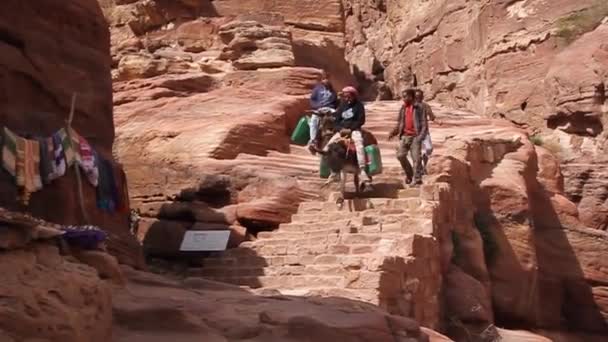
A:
(326, 126)
(342, 160)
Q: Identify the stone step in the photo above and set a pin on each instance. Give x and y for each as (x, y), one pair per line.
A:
(284, 270)
(358, 205)
(409, 193)
(336, 214)
(295, 235)
(354, 223)
(407, 226)
(316, 280)
(349, 244)
(314, 244)
(365, 295)
(356, 250)
(284, 282)
(245, 266)
(390, 190)
(423, 226)
(324, 283)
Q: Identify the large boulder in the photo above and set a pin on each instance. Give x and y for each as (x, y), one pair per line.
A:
(251, 45)
(163, 238)
(52, 297)
(232, 91)
(47, 293)
(195, 307)
(577, 94)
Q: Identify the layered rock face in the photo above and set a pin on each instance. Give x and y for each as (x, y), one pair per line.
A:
(62, 49)
(460, 50)
(539, 64)
(515, 233)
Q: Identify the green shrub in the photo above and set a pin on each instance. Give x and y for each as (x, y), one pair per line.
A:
(536, 139)
(551, 145)
(490, 247)
(570, 27)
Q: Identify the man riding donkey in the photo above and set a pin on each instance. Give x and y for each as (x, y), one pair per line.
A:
(411, 128)
(323, 101)
(349, 118)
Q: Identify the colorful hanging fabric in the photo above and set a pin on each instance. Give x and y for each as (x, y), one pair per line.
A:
(88, 161)
(107, 193)
(70, 146)
(27, 168)
(47, 156)
(20, 162)
(9, 151)
(59, 165)
(33, 181)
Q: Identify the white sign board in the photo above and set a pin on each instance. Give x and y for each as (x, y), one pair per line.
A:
(205, 240)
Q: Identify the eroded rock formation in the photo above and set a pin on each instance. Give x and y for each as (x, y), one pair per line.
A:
(496, 237)
(458, 51)
(541, 65)
(515, 232)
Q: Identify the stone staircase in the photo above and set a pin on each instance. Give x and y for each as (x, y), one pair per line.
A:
(379, 249)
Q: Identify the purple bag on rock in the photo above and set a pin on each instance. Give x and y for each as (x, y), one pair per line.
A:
(85, 237)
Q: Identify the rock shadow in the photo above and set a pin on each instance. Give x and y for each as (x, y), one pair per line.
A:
(537, 277)
(564, 284)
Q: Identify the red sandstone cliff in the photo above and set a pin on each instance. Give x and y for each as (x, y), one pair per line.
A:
(205, 94)
(216, 87)
(540, 64)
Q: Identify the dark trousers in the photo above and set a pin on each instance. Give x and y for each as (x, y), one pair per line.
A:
(410, 145)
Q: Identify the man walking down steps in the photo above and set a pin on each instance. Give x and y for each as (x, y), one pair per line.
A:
(411, 128)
